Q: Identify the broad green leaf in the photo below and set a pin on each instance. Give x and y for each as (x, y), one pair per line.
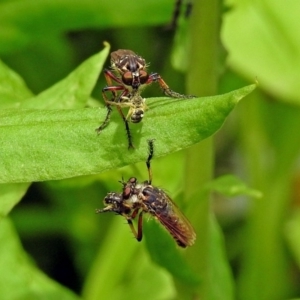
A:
(13, 89)
(71, 92)
(261, 41)
(74, 90)
(230, 185)
(20, 279)
(10, 194)
(25, 20)
(55, 144)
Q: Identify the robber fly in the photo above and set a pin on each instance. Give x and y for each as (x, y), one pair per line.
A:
(138, 198)
(129, 71)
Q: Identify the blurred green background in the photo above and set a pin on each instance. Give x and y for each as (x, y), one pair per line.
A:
(248, 231)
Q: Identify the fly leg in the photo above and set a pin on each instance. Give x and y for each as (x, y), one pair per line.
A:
(155, 77)
(139, 233)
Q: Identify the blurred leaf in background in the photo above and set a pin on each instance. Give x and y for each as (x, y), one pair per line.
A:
(262, 43)
(30, 283)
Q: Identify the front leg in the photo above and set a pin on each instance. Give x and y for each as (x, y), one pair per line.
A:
(137, 234)
(129, 137)
(155, 77)
(108, 103)
(118, 104)
(106, 120)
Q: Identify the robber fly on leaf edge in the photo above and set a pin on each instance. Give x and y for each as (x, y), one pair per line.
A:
(129, 72)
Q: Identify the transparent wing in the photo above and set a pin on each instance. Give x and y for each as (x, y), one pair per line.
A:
(175, 222)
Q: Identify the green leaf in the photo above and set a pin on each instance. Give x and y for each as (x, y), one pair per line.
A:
(261, 42)
(71, 92)
(112, 276)
(220, 269)
(208, 255)
(13, 89)
(20, 279)
(55, 144)
(230, 185)
(164, 251)
(10, 194)
(74, 90)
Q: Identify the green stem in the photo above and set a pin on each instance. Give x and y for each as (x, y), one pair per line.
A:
(202, 81)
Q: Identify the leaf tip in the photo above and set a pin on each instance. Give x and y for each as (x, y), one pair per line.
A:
(106, 44)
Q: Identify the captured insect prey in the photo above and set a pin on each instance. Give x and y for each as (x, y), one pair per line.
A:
(138, 198)
(129, 72)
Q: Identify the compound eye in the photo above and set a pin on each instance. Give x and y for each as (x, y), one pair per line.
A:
(126, 193)
(127, 78)
(132, 180)
(143, 77)
(107, 200)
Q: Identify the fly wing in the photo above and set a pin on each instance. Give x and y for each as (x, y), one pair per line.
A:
(176, 223)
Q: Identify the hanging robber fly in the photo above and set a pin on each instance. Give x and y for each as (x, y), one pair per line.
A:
(129, 72)
(138, 198)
